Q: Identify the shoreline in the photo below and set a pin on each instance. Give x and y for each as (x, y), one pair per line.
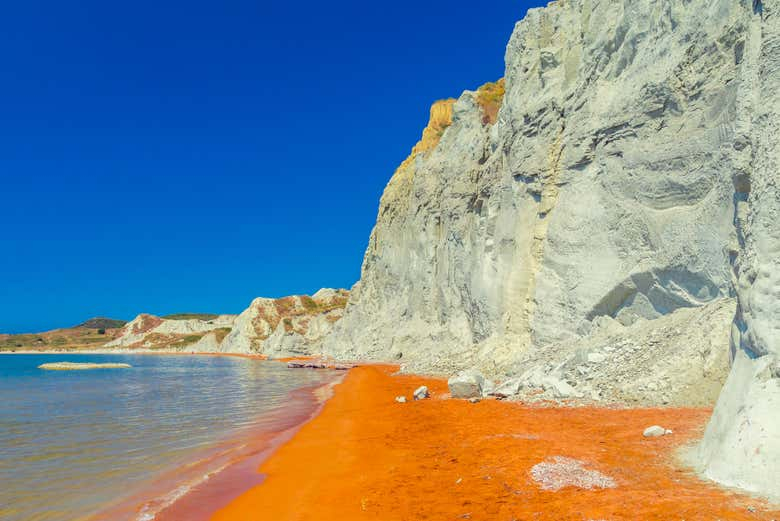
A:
(210, 479)
(354, 453)
(138, 352)
(364, 456)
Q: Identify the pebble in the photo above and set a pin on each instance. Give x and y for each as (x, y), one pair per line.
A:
(421, 393)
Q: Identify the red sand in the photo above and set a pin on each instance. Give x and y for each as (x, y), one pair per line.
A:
(366, 457)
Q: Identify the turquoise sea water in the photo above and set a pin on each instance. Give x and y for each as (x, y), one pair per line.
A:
(72, 441)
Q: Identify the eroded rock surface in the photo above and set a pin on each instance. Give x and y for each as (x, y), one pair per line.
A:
(152, 332)
(288, 326)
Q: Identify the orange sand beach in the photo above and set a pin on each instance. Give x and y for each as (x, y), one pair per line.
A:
(367, 457)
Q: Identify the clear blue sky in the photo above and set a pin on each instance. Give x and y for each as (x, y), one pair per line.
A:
(176, 156)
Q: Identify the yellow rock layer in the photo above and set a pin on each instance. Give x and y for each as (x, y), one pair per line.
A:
(490, 96)
(441, 118)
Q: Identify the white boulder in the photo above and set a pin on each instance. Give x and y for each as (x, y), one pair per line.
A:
(466, 384)
(655, 431)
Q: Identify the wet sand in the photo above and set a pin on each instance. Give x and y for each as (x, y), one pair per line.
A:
(367, 457)
(199, 488)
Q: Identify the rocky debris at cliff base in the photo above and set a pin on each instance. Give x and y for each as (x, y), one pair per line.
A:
(559, 388)
(656, 431)
(680, 359)
(507, 388)
(421, 393)
(314, 364)
(466, 384)
(562, 472)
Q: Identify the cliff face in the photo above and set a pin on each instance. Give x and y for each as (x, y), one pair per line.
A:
(742, 443)
(628, 175)
(292, 325)
(152, 332)
(603, 189)
(286, 326)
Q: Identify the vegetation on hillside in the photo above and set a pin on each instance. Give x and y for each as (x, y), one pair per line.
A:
(103, 323)
(191, 316)
(221, 333)
(72, 338)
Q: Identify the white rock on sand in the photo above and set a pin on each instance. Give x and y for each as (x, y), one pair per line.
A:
(656, 431)
(563, 472)
(421, 393)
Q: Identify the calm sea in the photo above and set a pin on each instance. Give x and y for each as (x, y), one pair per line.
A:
(72, 442)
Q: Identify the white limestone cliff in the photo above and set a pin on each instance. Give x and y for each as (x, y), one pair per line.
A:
(629, 175)
(741, 446)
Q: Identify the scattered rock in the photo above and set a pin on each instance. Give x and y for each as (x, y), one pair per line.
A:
(466, 384)
(509, 388)
(656, 431)
(314, 364)
(421, 393)
(596, 358)
(487, 387)
(400, 399)
(559, 388)
(475, 400)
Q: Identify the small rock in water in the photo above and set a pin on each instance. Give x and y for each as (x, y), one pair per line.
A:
(655, 431)
(421, 393)
(400, 399)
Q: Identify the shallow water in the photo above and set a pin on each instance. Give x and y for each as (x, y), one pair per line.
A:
(74, 441)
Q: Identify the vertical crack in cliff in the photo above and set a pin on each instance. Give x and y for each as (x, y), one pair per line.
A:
(546, 203)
